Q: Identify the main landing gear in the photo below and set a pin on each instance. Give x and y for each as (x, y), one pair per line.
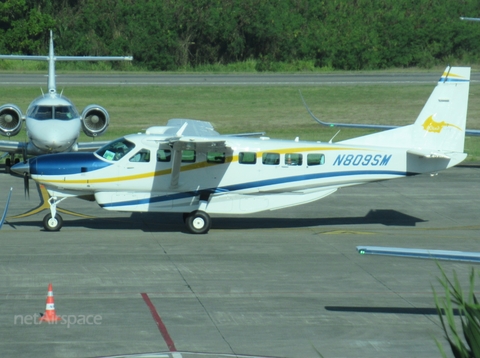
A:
(53, 221)
(198, 222)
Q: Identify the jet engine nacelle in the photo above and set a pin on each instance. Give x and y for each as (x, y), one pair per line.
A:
(95, 120)
(10, 120)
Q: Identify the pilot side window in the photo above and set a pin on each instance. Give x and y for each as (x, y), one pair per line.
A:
(215, 157)
(42, 112)
(315, 159)
(188, 156)
(293, 159)
(115, 150)
(164, 155)
(142, 156)
(271, 158)
(64, 112)
(247, 157)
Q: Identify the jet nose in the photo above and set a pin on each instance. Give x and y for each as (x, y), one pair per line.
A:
(21, 168)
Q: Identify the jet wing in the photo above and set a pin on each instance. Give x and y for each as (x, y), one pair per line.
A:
(11, 146)
(91, 146)
(466, 256)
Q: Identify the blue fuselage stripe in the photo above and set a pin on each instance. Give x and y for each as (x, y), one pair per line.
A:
(254, 184)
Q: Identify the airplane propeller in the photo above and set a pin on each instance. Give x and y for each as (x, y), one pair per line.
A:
(26, 185)
(23, 169)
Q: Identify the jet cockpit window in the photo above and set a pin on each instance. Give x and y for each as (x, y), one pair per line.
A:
(41, 112)
(53, 112)
(115, 150)
(65, 112)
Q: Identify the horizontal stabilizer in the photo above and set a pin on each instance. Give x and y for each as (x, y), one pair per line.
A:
(420, 253)
(428, 154)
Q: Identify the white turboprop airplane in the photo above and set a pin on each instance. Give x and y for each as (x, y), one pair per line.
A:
(187, 167)
(52, 121)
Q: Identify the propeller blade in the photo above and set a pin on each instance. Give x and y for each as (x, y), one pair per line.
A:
(26, 186)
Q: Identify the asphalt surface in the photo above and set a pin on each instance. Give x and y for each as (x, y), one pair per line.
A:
(162, 79)
(287, 283)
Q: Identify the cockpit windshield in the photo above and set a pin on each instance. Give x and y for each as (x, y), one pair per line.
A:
(115, 150)
(53, 112)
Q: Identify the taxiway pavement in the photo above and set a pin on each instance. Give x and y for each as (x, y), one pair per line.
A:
(286, 283)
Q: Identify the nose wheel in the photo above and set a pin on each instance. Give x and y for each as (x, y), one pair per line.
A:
(51, 223)
(198, 222)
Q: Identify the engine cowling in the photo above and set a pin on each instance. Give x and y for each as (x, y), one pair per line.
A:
(10, 120)
(95, 120)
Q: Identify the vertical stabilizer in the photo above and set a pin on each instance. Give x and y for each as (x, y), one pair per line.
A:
(52, 88)
(440, 126)
(442, 121)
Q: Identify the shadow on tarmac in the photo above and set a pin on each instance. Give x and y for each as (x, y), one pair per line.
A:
(172, 222)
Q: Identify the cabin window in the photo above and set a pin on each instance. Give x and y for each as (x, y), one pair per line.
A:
(247, 157)
(293, 159)
(164, 155)
(215, 157)
(142, 156)
(115, 150)
(315, 159)
(188, 156)
(271, 158)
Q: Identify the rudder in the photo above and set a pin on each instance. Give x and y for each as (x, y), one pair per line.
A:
(441, 124)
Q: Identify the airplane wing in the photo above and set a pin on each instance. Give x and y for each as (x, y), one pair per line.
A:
(193, 128)
(91, 146)
(201, 128)
(465, 256)
(10, 146)
(469, 132)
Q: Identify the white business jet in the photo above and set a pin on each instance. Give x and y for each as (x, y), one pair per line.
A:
(187, 167)
(52, 121)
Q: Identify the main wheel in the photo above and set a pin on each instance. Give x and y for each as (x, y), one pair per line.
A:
(52, 224)
(198, 222)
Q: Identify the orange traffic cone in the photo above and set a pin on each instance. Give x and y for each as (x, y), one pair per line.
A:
(50, 315)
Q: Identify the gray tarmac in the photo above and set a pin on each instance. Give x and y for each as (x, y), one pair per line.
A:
(286, 283)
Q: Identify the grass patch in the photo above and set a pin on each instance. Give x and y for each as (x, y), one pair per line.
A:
(277, 110)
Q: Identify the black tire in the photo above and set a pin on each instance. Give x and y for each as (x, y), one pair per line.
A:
(52, 225)
(198, 222)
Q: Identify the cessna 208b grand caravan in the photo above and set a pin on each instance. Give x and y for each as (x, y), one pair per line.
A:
(52, 121)
(187, 167)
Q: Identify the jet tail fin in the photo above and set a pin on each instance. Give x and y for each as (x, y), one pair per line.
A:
(440, 126)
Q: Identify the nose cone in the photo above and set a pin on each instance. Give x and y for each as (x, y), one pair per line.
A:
(21, 168)
(53, 136)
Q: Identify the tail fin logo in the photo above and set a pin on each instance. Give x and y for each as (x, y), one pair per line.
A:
(436, 127)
